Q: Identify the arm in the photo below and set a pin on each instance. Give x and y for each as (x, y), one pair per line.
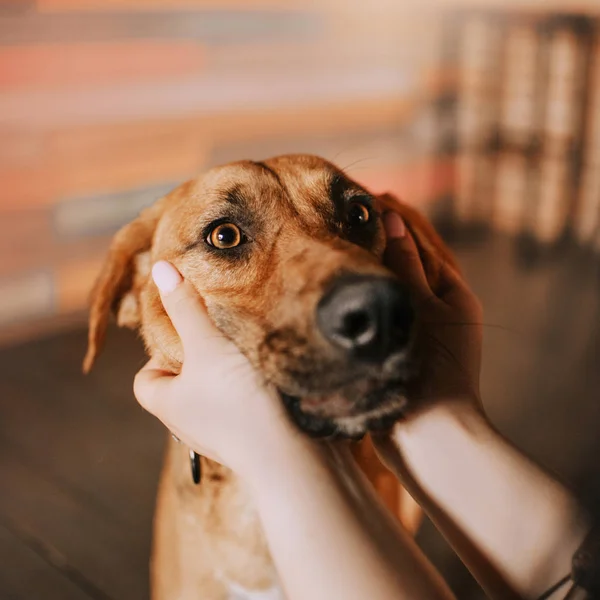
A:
(329, 535)
(513, 525)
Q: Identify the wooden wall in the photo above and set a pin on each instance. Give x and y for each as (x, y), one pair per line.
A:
(107, 104)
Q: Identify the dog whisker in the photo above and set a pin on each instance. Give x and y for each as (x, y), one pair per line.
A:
(473, 324)
(449, 354)
(349, 148)
(357, 162)
(446, 350)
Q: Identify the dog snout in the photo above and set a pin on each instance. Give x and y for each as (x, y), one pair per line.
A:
(369, 317)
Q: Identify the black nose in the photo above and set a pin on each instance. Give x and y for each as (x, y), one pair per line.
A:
(368, 316)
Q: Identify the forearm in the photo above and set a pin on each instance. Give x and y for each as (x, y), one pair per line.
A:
(329, 535)
(514, 526)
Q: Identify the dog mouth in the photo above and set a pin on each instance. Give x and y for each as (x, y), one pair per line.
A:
(364, 398)
(351, 411)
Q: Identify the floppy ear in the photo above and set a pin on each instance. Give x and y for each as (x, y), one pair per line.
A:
(115, 290)
(433, 251)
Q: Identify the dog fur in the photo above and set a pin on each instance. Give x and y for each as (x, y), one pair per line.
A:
(262, 295)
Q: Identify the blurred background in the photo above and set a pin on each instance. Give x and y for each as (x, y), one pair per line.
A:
(486, 115)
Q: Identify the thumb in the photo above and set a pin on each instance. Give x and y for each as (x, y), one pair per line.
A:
(402, 255)
(185, 308)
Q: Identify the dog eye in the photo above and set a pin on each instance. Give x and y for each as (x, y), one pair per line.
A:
(224, 236)
(358, 214)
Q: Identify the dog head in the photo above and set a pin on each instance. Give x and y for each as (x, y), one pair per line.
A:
(287, 256)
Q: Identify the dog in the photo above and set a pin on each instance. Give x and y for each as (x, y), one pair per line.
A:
(287, 256)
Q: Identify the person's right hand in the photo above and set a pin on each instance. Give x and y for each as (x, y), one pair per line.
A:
(218, 404)
(449, 335)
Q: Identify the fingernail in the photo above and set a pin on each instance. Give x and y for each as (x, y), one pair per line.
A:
(165, 276)
(394, 225)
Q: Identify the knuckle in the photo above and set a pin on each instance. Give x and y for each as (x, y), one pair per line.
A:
(141, 390)
(138, 385)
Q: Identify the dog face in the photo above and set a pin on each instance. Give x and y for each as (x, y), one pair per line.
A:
(286, 255)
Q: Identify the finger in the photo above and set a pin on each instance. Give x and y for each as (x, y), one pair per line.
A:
(457, 293)
(185, 309)
(402, 255)
(152, 388)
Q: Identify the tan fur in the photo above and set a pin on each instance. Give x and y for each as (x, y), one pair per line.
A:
(208, 536)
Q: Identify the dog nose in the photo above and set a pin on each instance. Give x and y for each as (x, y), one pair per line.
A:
(368, 316)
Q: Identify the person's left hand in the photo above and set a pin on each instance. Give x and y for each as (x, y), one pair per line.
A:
(218, 404)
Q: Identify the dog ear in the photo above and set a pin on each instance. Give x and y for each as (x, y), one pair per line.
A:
(116, 288)
(433, 251)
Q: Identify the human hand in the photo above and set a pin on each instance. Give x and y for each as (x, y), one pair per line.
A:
(450, 330)
(218, 404)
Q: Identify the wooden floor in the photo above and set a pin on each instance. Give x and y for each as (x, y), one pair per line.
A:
(79, 461)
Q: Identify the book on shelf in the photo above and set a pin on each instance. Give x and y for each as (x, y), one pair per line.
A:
(518, 121)
(596, 241)
(552, 211)
(479, 71)
(587, 217)
(518, 124)
(513, 188)
(475, 187)
(564, 99)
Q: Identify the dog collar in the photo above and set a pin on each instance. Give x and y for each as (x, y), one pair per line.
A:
(195, 466)
(194, 462)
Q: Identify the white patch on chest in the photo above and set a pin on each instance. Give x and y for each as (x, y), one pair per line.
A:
(236, 592)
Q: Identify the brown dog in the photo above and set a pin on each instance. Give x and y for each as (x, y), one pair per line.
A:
(286, 254)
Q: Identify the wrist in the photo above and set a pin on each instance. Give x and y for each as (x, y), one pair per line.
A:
(281, 452)
(433, 425)
(460, 409)
(419, 446)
